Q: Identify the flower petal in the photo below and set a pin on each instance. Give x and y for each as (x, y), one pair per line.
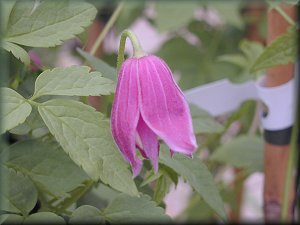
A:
(125, 113)
(163, 106)
(150, 145)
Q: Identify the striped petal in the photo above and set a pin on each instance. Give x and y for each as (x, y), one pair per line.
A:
(163, 106)
(125, 113)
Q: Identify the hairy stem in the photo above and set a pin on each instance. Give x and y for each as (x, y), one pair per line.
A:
(137, 49)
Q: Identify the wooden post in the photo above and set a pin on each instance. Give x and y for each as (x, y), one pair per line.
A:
(276, 156)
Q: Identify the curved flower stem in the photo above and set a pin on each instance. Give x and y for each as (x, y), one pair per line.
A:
(107, 27)
(137, 49)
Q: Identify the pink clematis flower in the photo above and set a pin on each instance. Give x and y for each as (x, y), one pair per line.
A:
(148, 104)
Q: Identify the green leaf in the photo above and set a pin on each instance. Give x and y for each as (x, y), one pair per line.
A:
(197, 210)
(151, 176)
(44, 217)
(229, 11)
(237, 59)
(245, 151)
(72, 81)
(21, 195)
(48, 23)
(198, 176)
(6, 8)
(17, 51)
(86, 214)
(122, 209)
(99, 65)
(251, 50)
(281, 51)
(86, 137)
(183, 57)
(173, 15)
(21, 129)
(33, 124)
(47, 165)
(11, 219)
(37, 126)
(14, 108)
(203, 122)
(126, 209)
(161, 189)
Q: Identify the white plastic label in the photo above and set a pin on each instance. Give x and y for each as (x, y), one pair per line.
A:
(280, 103)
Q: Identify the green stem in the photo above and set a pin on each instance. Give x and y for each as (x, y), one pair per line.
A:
(289, 172)
(107, 27)
(137, 49)
(31, 102)
(284, 15)
(77, 194)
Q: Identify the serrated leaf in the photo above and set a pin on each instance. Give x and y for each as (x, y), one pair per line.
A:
(17, 51)
(72, 81)
(21, 195)
(126, 209)
(122, 209)
(251, 50)
(281, 51)
(44, 217)
(198, 176)
(51, 170)
(85, 135)
(48, 23)
(99, 65)
(14, 109)
(174, 15)
(244, 152)
(86, 214)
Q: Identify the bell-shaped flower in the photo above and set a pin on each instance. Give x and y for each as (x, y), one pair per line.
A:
(148, 104)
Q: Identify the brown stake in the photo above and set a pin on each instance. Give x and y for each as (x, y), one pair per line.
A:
(276, 156)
